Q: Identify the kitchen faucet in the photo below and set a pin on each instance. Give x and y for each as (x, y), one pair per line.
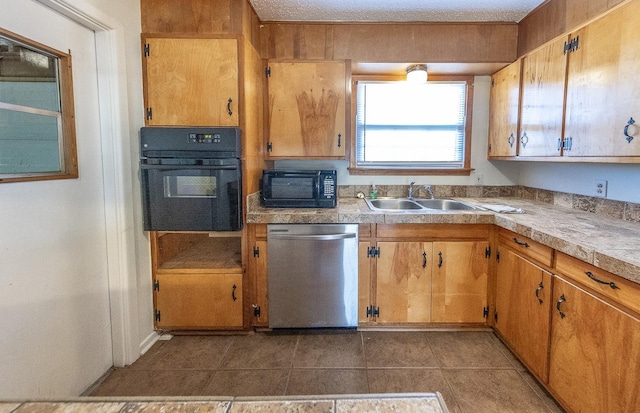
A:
(426, 187)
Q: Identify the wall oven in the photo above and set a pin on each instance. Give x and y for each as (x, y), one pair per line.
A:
(191, 179)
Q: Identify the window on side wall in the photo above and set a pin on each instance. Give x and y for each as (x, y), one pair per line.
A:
(404, 128)
(37, 130)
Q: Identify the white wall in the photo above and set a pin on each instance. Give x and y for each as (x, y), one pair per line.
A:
(58, 238)
(55, 329)
(489, 173)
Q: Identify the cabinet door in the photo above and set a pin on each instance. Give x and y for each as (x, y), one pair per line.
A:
(191, 82)
(459, 284)
(403, 287)
(603, 87)
(307, 109)
(523, 302)
(543, 86)
(503, 116)
(199, 301)
(595, 350)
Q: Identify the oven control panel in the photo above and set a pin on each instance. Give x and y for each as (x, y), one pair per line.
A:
(205, 138)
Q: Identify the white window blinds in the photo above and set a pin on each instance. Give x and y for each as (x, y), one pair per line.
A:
(404, 125)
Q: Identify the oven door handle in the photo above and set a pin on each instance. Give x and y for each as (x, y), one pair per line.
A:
(186, 167)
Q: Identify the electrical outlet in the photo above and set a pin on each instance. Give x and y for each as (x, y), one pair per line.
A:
(478, 179)
(601, 189)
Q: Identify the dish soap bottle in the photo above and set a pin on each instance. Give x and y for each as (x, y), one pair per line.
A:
(374, 192)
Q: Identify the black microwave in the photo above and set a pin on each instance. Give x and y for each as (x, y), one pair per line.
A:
(299, 189)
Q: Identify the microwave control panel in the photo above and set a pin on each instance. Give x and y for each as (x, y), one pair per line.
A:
(329, 185)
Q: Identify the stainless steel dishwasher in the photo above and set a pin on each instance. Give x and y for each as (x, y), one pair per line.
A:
(313, 275)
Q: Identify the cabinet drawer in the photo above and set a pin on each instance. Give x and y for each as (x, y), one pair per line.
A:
(527, 247)
(622, 291)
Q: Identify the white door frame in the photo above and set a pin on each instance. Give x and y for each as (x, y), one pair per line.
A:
(117, 172)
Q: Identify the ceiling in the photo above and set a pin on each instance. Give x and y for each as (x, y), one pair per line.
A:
(394, 10)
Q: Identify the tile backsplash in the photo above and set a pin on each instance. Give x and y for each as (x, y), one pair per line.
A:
(614, 209)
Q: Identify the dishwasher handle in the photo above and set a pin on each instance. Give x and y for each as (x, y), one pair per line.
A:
(322, 237)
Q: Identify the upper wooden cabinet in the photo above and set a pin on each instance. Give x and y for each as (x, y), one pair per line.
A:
(503, 117)
(603, 88)
(541, 117)
(191, 82)
(307, 110)
(579, 96)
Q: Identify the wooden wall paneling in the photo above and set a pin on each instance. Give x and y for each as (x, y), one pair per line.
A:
(541, 25)
(490, 42)
(581, 11)
(295, 41)
(426, 42)
(252, 91)
(187, 16)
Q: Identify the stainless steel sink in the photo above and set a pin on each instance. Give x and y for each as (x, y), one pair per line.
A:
(393, 204)
(418, 205)
(445, 204)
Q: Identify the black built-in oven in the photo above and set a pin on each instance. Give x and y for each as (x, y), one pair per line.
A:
(191, 179)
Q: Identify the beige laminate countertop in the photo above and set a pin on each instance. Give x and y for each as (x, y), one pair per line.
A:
(607, 243)
(409, 403)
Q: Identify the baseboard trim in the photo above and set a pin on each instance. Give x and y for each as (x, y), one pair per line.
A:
(148, 342)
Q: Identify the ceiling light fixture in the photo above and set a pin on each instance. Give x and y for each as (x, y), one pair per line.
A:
(417, 73)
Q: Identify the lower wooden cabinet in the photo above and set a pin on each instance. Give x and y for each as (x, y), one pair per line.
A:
(595, 349)
(197, 281)
(198, 301)
(413, 279)
(522, 309)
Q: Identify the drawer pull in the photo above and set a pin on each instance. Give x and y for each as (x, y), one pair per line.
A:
(540, 287)
(609, 283)
(524, 244)
(233, 292)
(559, 303)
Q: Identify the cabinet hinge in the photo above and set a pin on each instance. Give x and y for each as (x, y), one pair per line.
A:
(572, 45)
(267, 72)
(485, 312)
(489, 147)
(156, 285)
(487, 252)
(147, 47)
(373, 252)
(373, 311)
(498, 256)
(567, 143)
(493, 82)
(495, 316)
(157, 315)
(256, 310)
(269, 147)
(256, 251)
(149, 113)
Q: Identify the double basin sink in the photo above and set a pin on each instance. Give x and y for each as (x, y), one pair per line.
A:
(418, 205)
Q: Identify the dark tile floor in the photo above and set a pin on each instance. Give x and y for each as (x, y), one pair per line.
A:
(474, 371)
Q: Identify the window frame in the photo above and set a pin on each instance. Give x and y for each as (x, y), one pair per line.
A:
(67, 140)
(466, 170)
